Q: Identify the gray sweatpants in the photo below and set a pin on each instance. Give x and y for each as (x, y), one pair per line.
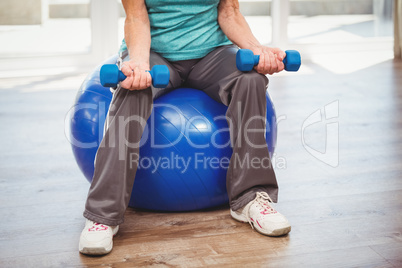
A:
(215, 74)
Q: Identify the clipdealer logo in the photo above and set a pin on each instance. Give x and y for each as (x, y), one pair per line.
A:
(328, 115)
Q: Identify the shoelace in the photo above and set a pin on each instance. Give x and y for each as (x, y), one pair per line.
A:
(93, 227)
(263, 199)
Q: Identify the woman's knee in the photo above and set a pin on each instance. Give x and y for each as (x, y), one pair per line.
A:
(253, 82)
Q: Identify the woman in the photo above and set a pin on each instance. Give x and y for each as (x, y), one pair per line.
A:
(197, 40)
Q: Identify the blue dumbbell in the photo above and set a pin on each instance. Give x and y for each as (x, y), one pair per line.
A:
(110, 75)
(246, 60)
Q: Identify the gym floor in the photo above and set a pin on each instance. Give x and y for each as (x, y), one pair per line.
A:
(345, 213)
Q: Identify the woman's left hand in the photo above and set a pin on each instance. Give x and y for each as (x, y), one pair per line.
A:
(270, 60)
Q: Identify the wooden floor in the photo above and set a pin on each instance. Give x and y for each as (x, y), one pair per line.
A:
(344, 216)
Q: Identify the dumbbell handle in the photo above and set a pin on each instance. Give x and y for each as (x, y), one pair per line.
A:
(121, 76)
(292, 60)
(110, 75)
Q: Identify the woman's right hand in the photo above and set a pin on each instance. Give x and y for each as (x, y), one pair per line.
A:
(137, 76)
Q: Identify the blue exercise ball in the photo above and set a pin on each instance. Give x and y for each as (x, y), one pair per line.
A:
(186, 132)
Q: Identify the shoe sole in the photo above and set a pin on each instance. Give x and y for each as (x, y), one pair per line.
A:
(276, 232)
(96, 250)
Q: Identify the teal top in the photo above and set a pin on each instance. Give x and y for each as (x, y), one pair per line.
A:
(184, 29)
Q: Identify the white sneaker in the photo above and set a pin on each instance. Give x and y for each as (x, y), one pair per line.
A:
(97, 239)
(262, 216)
